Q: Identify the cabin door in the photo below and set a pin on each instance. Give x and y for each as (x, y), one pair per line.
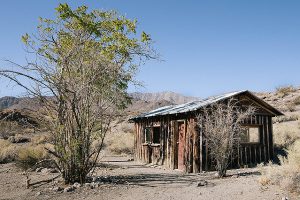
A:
(180, 145)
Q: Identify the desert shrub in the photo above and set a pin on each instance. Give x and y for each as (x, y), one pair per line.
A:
(8, 128)
(286, 118)
(288, 174)
(41, 139)
(28, 156)
(8, 151)
(285, 90)
(121, 144)
(291, 107)
(127, 128)
(18, 139)
(296, 101)
(286, 135)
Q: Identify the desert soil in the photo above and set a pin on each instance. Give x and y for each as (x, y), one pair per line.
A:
(128, 180)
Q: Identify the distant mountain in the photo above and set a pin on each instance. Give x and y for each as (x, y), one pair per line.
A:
(18, 103)
(6, 102)
(171, 97)
(142, 102)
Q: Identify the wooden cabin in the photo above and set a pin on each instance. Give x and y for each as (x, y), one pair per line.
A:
(168, 135)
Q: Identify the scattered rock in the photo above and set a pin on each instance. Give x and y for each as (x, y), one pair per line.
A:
(202, 183)
(39, 169)
(69, 189)
(284, 198)
(235, 176)
(44, 170)
(18, 139)
(76, 185)
(38, 194)
(87, 184)
(47, 170)
(57, 189)
(52, 170)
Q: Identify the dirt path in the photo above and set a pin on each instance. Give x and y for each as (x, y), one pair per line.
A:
(125, 180)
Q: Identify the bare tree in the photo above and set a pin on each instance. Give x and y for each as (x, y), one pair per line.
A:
(221, 125)
(83, 65)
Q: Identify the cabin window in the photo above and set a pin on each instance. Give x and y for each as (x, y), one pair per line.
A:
(148, 135)
(156, 135)
(250, 135)
(152, 135)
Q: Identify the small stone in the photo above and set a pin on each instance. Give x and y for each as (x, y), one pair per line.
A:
(52, 170)
(94, 179)
(38, 194)
(235, 176)
(76, 185)
(69, 189)
(87, 184)
(45, 170)
(57, 189)
(202, 183)
(284, 198)
(39, 169)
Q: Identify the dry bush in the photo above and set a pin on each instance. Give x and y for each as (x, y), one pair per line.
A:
(18, 139)
(288, 174)
(286, 134)
(121, 144)
(297, 100)
(291, 107)
(41, 139)
(29, 156)
(285, 118)
(127, 128)
(8, 151)
(285, 90)
(8, 128)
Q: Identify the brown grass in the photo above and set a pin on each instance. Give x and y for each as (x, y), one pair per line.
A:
(285, 90)
(296, 101)
(286, 118)
(29, 156)
(288, 174)
(8, 151)
(286, 134)
(121, 143)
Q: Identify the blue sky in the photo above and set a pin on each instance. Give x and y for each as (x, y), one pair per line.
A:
(208, 47)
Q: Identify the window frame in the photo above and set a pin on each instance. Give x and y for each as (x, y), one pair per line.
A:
(248, 126)
(151, 137)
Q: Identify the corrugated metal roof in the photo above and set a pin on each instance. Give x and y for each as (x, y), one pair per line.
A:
(187, 107)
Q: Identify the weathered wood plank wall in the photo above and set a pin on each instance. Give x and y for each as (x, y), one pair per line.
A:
(197, 156)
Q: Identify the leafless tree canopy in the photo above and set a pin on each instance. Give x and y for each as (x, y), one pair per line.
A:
(221, 126)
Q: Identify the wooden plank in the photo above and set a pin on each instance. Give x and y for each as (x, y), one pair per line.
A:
(200, 150)
(271, 141)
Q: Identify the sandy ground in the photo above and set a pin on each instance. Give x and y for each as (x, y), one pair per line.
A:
(127, 180)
